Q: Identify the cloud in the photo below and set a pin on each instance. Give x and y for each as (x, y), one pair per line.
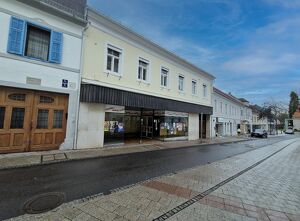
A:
(284, 3)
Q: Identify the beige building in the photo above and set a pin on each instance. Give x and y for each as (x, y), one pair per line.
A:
(133, 89)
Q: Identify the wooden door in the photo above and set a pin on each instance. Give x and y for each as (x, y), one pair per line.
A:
(49, 120)
(15, 115)
(31, 120)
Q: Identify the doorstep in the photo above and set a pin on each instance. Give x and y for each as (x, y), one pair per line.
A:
(27, 159)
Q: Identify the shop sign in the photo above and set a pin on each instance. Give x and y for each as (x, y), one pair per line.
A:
(114, 109)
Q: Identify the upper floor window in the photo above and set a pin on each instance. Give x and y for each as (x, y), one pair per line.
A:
(221, 107)
(194, 87)
(164, 77)
(204, 90)
(226, 108)
(143, 70)
(180, 82)
(33, 41)
(113, 59)
(216, 105)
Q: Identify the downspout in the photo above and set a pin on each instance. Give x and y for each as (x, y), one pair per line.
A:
(79, 86)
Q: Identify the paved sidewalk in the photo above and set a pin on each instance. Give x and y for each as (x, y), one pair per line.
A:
(45, 157)
(269, 191)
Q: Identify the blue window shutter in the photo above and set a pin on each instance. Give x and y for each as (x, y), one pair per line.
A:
(56, 44)
(16, 36)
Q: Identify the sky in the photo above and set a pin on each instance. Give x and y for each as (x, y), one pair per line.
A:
(252, 47)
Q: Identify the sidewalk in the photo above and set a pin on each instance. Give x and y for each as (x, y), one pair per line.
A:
(262, 184)
(15, 160)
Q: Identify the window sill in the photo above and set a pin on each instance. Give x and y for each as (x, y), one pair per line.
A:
(143, 82)
(181, 92)
(112, 73)
(163, 87)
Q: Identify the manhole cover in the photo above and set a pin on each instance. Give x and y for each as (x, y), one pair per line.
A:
(43, 202)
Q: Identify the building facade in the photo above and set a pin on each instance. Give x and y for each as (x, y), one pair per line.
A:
(40, 57)
(261, 123)
(227, 115)
(296, 119)
(132, 89)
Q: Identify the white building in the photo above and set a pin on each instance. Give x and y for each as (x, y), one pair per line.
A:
(260, 123)
(40, 54)
(229, 114)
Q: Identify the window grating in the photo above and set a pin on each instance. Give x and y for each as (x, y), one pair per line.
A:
(17, 118)
(17, 97)
(42, 119)
(46, 99)
(58, 118)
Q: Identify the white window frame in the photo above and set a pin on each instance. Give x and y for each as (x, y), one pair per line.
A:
(120, 68)
(204, 87)
(168, 77)
(147, 73)
(196, 91)
(181, 76)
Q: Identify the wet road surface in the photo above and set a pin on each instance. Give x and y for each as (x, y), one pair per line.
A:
(78, 179)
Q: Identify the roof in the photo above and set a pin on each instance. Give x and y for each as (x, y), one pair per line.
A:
(228, 96)
(138, 38)
(243, 100)
(255, 108)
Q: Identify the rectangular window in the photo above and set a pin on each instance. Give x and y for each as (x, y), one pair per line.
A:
(42, 119)
(37, 43)
(58, 118)
(204, 90)
(194, 87)
(226, 108)
(143, 70)
(113, 60)
(2, 117)
(164, 77)
(216, 105)
(17, 118)
(221, 107)
(180, 82)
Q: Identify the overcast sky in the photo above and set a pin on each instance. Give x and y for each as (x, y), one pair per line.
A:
(251, 46)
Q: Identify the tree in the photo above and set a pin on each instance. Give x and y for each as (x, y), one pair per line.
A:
(294, 103)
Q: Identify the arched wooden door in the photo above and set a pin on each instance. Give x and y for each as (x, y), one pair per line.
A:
(31, 120)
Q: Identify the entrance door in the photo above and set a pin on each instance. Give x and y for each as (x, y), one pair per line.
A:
(147, 126)
(31, 120)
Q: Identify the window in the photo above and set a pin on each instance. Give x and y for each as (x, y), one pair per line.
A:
(30, 40)
(143, 70)
(113, 59)
(2, 117)
(164, 77)
(37, 43)
(215, 105)
(58, 118)
(194, 87)
(221, 107)
(46, 99)
(17, 118)
(226, 108)
(204, 90)
(17, 97)
(42, 119)
(180, 82)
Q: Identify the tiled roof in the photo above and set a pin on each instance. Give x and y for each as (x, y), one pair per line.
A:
(228, 96)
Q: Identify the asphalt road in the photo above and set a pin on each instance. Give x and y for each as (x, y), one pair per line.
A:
(78, 179)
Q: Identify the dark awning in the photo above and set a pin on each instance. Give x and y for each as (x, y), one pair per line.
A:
(99, 94)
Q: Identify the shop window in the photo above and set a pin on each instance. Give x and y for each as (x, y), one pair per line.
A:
(164, 77)
(17, 97)
(143, 70)
(2, 117)
(114, 128)
(58, 118)
(113, 59)
(42, 119)
(173, 126)
(180, 82)
(17, 118)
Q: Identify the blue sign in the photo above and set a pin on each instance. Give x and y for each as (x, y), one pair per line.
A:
(64, 83)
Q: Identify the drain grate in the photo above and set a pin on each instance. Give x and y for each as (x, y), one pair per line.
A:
(43, 202)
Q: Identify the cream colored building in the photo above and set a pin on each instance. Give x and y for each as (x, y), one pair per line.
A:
(134, 90)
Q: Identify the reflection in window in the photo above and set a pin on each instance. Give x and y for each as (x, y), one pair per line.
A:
(17, 118)
(2, 114)
(58, 118)
(42, 119)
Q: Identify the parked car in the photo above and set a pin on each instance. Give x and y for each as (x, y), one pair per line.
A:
(289, 131)
(259, 133)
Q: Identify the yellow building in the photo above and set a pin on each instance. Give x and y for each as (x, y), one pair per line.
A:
(133, 89)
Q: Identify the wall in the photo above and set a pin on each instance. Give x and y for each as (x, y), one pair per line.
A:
(193, 126)
(94, 69)
(15, 69)
(91, 125)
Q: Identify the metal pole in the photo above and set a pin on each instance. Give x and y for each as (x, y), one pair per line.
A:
(201, 126)
(141, 122)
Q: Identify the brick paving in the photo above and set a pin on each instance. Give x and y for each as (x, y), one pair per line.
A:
(269, 191)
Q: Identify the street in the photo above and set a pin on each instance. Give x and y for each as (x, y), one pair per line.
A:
(78, 179)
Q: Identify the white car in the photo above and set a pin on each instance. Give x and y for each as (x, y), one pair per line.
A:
(289, 131)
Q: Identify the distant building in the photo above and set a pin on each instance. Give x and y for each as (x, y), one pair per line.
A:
(296, 119)
(260, 123)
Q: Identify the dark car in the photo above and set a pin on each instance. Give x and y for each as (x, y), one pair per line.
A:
(259, 133)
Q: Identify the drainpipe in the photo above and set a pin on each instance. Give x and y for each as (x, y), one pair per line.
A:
(79, 87)
(201, 126)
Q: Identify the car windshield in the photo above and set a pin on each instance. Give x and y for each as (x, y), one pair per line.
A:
(258, 130)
